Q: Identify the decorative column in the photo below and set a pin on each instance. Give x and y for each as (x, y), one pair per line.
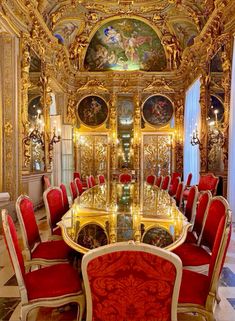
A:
(46, 103)
(136, 140)
(179, 134)
(226, 84)
(25, 84)
(9, 109)
(113, 138)
(204, 101)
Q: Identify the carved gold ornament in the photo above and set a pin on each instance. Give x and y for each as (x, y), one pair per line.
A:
(8, 128)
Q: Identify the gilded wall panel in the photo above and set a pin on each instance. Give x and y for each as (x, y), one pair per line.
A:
(9, 116)
(157, 154)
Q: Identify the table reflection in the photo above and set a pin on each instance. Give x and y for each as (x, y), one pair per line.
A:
(116, 212)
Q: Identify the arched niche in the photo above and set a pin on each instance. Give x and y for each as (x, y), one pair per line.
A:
(125, 44)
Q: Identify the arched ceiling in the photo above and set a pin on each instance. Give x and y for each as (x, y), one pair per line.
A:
(175, 21)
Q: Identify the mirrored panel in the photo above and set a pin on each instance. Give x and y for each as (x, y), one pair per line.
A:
(125, 115)
(215, 115)
(35, 115)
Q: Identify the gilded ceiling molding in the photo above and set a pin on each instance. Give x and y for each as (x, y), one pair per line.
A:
(71, 108)
(93, 86)
(159, 85)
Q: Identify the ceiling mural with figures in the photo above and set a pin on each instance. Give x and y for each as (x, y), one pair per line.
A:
(114, 47)
(125, 44)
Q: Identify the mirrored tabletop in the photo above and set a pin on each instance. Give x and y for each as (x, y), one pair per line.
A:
(115, 212)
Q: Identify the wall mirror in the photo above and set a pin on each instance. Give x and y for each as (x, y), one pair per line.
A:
(125, 116)
(215, 115)
(35, 114)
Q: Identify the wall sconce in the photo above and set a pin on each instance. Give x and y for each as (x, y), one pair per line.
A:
(195, 137)
(36, 133)
(56, 138)
(215, 135)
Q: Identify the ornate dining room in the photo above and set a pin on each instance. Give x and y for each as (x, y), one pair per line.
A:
(117, 160)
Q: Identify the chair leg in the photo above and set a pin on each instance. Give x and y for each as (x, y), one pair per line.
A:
(81, 308)
(217, 296)
(24, 314)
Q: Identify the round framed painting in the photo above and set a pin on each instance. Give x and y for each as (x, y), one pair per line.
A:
(157, 110)
(92, 111)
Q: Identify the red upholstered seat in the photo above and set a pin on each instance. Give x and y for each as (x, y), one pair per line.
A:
(40, 285)
(198, 292)
(190, 208)
(91, 181)
(46, 181)
(151, 179)
(38, 252)
(201, 213)
(79, 187)
(166, 183)
(73, 190)
(179, 195)
(52, 286)
(53, 200)
(194, 288)
(76, 175)
(173, 188)
(125, 178)
(159, 181)
(101, 179)
(189, 178)
(131, 282)
(206, 182)
(193, 255)
(65, 197)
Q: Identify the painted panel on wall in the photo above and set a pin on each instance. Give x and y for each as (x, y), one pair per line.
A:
(125, 44)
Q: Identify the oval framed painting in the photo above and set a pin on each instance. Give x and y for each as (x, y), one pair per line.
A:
(92, 111)
(157, 110)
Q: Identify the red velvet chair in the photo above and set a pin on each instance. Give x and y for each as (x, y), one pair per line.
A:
(36, 251)
(78, 184)
(191, 204)
(73, 190)
(151, 179)
(51, 286)
(101, 179)
(173, 188)
(166, 183)
(159, 181)
(91, 181)
(128, 281)
(53, 200)
(179, 195)
(189, 179)
(65, 197)
(125, 178)
(197, 257)
(198, 292)
(76, 175)
(201, 213)
(206, 182)
(46, 181)
(175, 175)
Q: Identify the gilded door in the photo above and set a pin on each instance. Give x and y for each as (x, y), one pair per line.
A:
(93, 155)
(156, 154)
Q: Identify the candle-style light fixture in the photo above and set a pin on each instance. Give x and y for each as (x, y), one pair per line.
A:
(215, 135)
(195, 137)
(36, 133)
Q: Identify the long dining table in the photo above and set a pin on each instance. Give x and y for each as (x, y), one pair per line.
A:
(114, 212)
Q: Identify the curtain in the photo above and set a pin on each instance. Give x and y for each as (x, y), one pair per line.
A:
(67, 155)
(231, 150)
(192, 117)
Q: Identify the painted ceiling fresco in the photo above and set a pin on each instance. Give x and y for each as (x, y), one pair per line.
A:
(125, 44)
(116, 47)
